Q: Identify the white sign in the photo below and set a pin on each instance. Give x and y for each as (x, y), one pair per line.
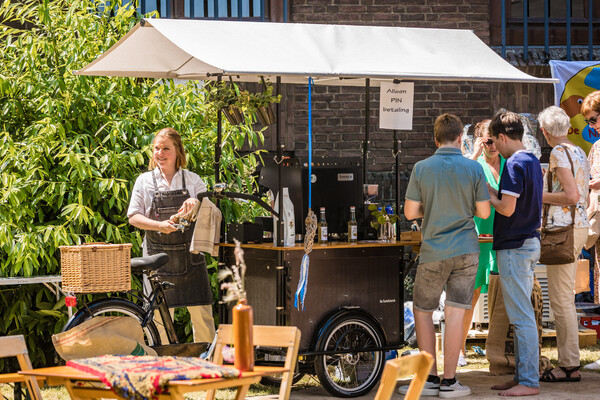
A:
(396, 105)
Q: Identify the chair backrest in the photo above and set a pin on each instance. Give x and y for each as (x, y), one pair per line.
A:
(418, 365)
(271, 336)
(15, 346)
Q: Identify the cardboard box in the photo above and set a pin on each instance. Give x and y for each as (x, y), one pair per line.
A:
(411, 236)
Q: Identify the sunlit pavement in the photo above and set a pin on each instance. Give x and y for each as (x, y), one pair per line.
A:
(480, 382)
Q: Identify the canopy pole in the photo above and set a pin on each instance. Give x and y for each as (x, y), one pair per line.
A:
(279, 164)
(397, 169)
(218, 143)
(365, 148)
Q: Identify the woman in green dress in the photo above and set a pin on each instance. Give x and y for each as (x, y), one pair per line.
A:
(486, 154)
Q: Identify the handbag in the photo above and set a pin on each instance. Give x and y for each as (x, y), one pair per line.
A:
(557, 244)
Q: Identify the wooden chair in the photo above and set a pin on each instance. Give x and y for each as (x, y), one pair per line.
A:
(418, 365)
(263, 335)
(15, 346)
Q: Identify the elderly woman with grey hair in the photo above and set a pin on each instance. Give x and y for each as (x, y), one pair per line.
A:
(570, 186)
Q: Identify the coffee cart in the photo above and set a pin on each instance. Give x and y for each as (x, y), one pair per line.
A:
(353, 312)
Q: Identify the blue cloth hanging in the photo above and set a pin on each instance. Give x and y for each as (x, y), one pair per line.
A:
(303, 281)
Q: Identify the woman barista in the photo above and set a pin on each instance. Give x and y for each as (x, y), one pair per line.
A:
(158, 194)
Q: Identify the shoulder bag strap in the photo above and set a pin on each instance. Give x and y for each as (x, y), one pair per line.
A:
(573, 172)
(547, 206)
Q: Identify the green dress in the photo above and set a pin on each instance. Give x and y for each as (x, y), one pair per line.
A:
(487, 256)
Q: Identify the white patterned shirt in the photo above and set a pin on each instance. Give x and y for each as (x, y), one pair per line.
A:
(561, 215)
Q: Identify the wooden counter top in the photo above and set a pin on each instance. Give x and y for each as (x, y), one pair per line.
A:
(327, 246)
(337, 245)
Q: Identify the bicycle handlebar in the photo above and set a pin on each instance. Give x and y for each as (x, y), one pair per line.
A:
(235, 195)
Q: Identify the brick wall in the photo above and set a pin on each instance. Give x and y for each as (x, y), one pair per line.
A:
(339, 120)
(339, 112)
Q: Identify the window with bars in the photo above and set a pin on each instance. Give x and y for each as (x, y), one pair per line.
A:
(249, 10)
(541, 22)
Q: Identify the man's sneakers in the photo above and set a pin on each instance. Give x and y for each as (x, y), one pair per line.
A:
(446, 388)
(451, 388)
(431, 388)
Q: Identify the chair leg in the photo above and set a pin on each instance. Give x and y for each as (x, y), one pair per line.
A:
(210, 394)
(417, 365)
(241, 392)
(418, 381)
(388, 382)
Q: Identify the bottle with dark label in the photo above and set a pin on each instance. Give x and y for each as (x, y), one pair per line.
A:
(352, 226)
(322, 227)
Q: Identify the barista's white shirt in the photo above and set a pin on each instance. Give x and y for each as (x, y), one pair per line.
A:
(143, 190)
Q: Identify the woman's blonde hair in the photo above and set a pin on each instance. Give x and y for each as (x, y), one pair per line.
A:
(591, 103)
(170, 133)
(482, 127)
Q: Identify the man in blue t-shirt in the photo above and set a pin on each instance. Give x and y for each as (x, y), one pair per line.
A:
(446, 190)
(518, 204)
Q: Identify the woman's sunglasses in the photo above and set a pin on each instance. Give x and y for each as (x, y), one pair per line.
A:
(593, 120)
(489, 142)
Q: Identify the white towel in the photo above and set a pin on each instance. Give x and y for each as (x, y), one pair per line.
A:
(207, 231)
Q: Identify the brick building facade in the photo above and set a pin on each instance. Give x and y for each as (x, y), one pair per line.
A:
(339, 112)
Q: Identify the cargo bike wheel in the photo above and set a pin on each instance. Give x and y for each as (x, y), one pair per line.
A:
(113, 306)
(356, 369)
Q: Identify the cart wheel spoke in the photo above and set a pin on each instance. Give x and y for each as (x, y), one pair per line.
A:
(350, 373)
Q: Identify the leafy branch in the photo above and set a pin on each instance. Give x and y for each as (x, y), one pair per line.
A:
(234, 289)
(381, 216)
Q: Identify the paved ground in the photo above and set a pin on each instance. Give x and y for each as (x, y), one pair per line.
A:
(480, 382)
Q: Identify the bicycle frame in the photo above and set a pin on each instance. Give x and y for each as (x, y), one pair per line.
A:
(157, 300)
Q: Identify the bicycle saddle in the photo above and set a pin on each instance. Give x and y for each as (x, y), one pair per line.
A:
(150, 263)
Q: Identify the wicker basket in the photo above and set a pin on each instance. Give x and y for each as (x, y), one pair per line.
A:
(96, 268)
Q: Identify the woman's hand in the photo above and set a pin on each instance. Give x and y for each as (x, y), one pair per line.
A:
(595, 184)
(188, 205)
(166, 226)
(478, 147)
(491, 190)
(143, 222)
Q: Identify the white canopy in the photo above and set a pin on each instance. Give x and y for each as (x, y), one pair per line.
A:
(330, 54)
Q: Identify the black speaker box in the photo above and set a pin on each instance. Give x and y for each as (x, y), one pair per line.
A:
(336, 185)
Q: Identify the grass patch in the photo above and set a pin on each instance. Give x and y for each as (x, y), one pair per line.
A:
(587, 355)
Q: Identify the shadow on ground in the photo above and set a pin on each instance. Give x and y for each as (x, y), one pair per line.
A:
(480, 382)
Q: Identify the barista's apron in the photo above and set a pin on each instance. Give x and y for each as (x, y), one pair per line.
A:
(187, 271)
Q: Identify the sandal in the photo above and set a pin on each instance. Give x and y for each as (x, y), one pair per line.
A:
(548, 376)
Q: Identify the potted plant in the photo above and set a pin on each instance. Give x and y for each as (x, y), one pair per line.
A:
(261, 104)
(227, 97)
(385, 220)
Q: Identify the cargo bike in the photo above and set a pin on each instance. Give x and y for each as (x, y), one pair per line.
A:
(352, 315)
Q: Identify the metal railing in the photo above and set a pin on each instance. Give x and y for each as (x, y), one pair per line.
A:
(248, 10)
(565, 23)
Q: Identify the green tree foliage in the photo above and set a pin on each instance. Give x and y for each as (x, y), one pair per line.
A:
(71, 147)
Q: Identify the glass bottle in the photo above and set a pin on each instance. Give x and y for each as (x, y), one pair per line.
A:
(322, 227)
(243, 328)
(352, 226)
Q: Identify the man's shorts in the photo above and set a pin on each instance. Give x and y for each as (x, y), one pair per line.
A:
(456, 274)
